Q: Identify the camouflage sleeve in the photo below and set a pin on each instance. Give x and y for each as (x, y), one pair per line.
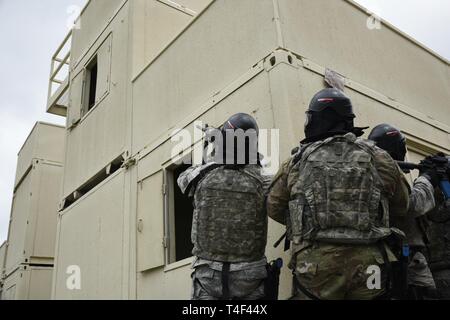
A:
(185, 179)
(394, 183)
(421, 199)
(277, 202)
(193, 174)
(267, 182)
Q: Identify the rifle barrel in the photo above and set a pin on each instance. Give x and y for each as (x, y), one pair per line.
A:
(409, 165)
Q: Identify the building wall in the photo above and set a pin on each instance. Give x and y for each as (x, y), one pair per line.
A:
(35, 205)
(2, 257)
(40, 144)
(211, 54)
(96, 16)
(2, 261)
(91, 237)
(156, 24)
(96, 138)
(32, 231)
(226, 59)
(28, 283)
(336, 36)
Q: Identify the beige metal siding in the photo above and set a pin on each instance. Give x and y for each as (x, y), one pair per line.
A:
(40, 283)
(104, 68)
(2, 258)
(31, 236)
(213, 52)
(26, 155)
(191, 5)
(28, 283)
(150, 217)
(156, 23)
(18, 225)
(46, 141)
(75, 98)
(91, 237)
(335, 34)
(94, 18)
(154, 26)
(41, 238)
(100, 136)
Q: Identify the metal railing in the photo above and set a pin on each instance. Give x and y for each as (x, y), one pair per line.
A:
(56, 103)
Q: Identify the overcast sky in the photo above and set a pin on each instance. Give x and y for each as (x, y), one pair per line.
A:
(31, 30)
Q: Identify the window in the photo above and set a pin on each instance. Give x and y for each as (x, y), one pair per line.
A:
(180, 217)
(91, 85)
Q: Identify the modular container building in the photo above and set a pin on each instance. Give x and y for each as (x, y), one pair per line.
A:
(28, 283)
(2, 266)
(138, 70)
(32, 228)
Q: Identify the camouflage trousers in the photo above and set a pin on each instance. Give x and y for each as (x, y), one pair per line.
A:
(339, 272)
(245, 281)
(442, 278)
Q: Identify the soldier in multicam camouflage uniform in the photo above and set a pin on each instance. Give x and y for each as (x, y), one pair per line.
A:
(229, 228)
(334, 195)
(415, 223)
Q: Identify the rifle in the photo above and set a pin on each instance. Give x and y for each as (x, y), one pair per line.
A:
(209, 134)
(438, 163)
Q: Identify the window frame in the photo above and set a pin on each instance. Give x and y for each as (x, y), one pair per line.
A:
(87, 87)
(169, 184)
(105, 44)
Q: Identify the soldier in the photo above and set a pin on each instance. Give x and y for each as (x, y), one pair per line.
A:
(229, 228)
(415, 223)
(334, 195)
(439, 247)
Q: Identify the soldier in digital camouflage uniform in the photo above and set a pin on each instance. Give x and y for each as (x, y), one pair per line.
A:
(333, 195)
(415, 223)
(439, 247)
(229, 228)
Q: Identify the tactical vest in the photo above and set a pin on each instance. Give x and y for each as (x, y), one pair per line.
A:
(439, 232)
(230, 222)
(336, 193)
(439, 249)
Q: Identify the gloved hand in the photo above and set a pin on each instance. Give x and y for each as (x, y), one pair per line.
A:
(432, 176)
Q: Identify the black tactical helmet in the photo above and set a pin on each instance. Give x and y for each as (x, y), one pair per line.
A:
(245, 148)
(241, 121)
(332, 99)
(390, 139)
(330, 112)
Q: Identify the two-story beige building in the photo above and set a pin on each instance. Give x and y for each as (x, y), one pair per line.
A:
(139, 69)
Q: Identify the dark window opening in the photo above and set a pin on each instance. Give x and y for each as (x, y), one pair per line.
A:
(183, 212)
(92, 71)
(93, 182)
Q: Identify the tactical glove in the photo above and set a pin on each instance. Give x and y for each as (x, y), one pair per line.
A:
(432, 176)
